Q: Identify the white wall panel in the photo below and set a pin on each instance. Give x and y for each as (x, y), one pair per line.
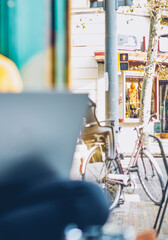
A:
(79, 3)
(91, 18)
(85, 51)
(88, 28)
(91, 93)
(163, 44)
(137, 25)
(89, 40)
(87, 73)
(84, 84)
(86, 62)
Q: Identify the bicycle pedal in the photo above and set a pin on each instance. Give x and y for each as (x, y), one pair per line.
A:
(133, 169)
(121, 201)
(121, 156)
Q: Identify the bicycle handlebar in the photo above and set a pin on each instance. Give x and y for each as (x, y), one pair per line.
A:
(111, 122)
(151, 118)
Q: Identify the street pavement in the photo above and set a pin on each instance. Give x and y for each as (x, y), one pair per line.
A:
(137, 211)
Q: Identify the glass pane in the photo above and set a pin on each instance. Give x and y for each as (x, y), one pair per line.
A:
(164, 106)
(133, 89)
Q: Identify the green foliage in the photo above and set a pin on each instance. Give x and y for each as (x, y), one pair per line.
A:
(163, 4)
(162, 71)
(139, 68)
(149, 5)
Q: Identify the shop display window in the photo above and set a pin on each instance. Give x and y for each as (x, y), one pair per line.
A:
(163, 103)
(133, 89)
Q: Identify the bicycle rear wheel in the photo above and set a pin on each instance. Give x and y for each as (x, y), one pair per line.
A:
(97, 170)
(150, 176)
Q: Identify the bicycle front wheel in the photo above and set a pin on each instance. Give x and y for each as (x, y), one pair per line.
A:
(150, 176)
(97, 170)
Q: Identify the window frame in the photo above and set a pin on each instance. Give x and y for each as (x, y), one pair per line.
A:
(134, 74)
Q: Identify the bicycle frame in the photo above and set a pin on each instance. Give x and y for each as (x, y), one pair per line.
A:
(134, 156)
(132, 162)
(132, 165)
(84, 159)
(137, 149)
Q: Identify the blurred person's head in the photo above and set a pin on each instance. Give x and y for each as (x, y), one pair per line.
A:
(10, 79)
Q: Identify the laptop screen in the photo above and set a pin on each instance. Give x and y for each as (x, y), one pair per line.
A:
(43, 124)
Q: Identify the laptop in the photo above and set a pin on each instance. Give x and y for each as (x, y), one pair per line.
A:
(43, 124)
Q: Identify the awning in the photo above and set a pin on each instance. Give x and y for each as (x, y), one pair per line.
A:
(133, 56)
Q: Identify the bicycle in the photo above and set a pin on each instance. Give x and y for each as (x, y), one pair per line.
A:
(103, 166)
(148, 170)
(99, 159)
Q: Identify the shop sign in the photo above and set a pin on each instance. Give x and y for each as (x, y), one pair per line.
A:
(124, 65)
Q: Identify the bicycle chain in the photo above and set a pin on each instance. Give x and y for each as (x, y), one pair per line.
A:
(115, 188)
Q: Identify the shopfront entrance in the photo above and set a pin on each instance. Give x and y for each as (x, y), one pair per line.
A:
(163, 105)
(133, 87)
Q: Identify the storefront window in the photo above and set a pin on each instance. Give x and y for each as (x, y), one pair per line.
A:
(164, 105)
(133, 89)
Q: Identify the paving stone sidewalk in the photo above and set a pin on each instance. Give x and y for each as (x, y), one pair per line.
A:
(140, 215)
(137, 210)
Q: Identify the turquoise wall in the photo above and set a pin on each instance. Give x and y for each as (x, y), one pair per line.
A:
(4, 45)
(27, 33)
(60, 50)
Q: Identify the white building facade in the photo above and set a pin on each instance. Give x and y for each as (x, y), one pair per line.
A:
(87, 60)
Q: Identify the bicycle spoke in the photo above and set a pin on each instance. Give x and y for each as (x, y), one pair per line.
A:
(92, 172)
(150, 179)
(97, 171)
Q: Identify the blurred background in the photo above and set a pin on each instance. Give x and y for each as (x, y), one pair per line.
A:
(35, 36)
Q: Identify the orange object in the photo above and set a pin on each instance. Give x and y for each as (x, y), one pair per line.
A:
(133, 96)
(81, 165)
(148, 235)
(132, 86)
(163, 135)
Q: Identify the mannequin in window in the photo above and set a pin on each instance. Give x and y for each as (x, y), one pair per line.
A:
(133, 99)
(10, 79)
